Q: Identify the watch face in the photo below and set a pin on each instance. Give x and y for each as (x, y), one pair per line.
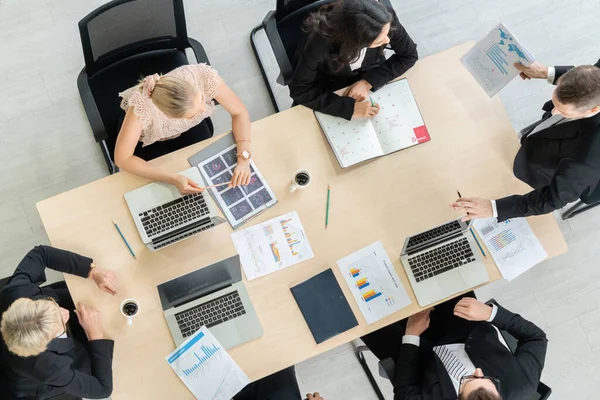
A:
(246, 154)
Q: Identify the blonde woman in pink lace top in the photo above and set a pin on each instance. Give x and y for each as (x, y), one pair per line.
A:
(164, 107)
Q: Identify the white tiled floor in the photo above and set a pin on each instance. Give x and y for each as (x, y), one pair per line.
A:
(46, 147)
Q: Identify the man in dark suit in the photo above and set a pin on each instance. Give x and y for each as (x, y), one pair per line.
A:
(455, 350)
(560, 154)
(44, 352)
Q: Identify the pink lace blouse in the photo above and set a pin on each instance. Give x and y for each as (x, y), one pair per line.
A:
(156, 126)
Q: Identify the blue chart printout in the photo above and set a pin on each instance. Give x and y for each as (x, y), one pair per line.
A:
(206, 368)
(491, 60)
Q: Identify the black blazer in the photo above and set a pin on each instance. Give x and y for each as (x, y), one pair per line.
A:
(317, 74)
(560, 163)
(66, 367)
(420, 374)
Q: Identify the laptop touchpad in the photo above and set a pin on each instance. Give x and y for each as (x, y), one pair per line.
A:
(451, 282)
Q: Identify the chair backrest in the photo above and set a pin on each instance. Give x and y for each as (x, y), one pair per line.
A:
(122, 28)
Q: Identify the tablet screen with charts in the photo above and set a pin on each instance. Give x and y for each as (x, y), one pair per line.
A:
(243, 202)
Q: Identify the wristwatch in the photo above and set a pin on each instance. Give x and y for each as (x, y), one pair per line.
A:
(245, 154)
(92, 266)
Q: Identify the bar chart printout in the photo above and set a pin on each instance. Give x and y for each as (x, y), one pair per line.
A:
(374, 282)
(512, 244)
(491, 61)
(272, 245)
(206, 368)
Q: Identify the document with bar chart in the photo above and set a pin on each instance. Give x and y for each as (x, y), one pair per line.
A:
(512, 244)
(206, 368)
(491, 60)
(374, 282)
(272, 245)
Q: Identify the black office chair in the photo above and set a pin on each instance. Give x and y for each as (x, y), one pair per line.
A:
(387, 366)
(123, 41)
(586, 201)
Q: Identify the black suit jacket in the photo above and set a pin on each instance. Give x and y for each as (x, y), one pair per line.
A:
(317, 74)
(420, 375)
(66, 367)
(560, 163)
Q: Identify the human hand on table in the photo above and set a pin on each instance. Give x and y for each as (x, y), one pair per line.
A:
(241, 173)
(186, 185)
(418, 323)
(472, 309)
(105, 279)
(535, 70)
(364, 109)
(90, 320)
(474, 207)
(359, 90)
(314, 396)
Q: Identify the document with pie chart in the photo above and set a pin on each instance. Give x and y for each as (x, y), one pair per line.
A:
(272, 245)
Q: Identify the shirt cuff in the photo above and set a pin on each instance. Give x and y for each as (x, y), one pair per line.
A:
(492, 316)
(411, 339)
(551, 75)
(494, 209)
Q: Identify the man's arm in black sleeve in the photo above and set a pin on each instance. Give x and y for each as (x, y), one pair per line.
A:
(32, 268)
(406, 375)
(532, 342)
(561, 70)
(405, 56)
(568, 183)
(304, 90)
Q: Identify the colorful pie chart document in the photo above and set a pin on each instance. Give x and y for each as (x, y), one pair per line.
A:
(206, 368)
(512, 244)
(374, 282)
(491, 61)
(272, 245)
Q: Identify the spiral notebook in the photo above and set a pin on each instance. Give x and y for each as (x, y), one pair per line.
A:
(398, 125)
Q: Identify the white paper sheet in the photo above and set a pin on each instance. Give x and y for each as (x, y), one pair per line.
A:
(206, 368)
(272, 245)
(491, 60)
(512, 244)
(374, 282)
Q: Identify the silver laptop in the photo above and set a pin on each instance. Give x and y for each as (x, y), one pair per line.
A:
(442, 261)
(213, 296)
(163, 216)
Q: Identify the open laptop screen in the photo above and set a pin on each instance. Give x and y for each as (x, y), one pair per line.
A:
(199, 283)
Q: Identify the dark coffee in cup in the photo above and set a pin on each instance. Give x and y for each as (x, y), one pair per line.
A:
(302, 178)
(130, 308)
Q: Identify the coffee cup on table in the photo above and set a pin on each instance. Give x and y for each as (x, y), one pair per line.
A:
(130, 308)
(301, 180)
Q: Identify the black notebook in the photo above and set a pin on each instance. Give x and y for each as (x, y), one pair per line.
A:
(324, 306)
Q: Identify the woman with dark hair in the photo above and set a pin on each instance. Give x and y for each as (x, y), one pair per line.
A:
(345, 48)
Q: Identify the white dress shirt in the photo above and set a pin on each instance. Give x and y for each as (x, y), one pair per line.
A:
(358, 63)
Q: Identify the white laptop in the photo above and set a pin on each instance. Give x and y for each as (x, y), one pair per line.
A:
(163, 216)
(442, 261)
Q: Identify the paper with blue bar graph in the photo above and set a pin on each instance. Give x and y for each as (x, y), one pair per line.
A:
(374, 282)
(491, 61)
(206, 368)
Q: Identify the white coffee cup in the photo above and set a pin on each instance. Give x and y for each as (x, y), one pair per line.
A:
(130, 308)
(301, 180)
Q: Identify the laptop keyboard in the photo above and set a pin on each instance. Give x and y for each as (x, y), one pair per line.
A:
(173, 214)
(433, 233)
(441, 259)
(210, 314)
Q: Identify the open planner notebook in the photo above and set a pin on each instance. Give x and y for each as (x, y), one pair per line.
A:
(397, 126)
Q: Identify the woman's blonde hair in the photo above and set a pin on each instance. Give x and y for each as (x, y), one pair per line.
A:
(29, 325)
(172, 95)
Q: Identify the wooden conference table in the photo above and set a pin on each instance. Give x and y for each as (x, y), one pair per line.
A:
(471, 149)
